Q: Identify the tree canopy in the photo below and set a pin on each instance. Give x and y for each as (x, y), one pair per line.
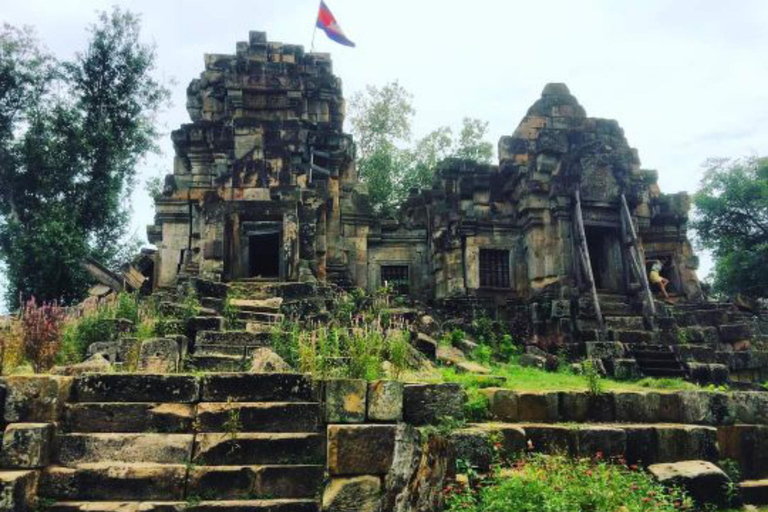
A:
(71, 137)
(731, 219)
(388, 161)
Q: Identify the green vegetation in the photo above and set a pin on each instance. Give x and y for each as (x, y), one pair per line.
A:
(560, 484)
(731, 220)
(71, 137)
(381, 121)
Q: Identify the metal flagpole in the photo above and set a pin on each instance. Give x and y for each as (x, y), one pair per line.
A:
(314, 30)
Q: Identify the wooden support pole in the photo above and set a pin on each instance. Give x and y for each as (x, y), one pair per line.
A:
(634, 252)
(586, 261)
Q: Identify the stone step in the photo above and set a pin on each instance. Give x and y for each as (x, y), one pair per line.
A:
(633, 336)
(239, 338)
(114, 481)
(754, 492)
(116, 387)
(121, 417)
(218, 349)
(624, 322)
(270, 305)
(264, 448)
(659, 363)
(287, 505)
(258, 387)
(84, 448)
(214, 362)
(240, 482)
(259, 416)
(663, 372)
(254, 316)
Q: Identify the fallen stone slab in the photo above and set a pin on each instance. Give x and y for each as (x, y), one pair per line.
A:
(137, 388)
(356, 494)
(705, 482)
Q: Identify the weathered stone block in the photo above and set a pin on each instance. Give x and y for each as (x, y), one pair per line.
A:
(550, 439)
(642, 444)
(625, 369)
(358, 494)
(17, 491)
(137, 388)
(637, 407)
(255, 449)
(428, 403)
(425, 344)
(203, 323)
(243, 482)
(602, 408)
(735, 332)
(473, 446)
(749, 407)
(27, 445)
(704, 481)
(385, 400)
(360, 449)
(258, 416)
(605, 441)
(504, 404)
(754, 492)
(35, 398)
(265, 360)
(670, 405)
(130, 448)
(129, 417)
(345, 400)
(705, 408)
(134, 482)
(541, 407)
(258, 387)
(748, 445)
(532, 361)
(159, 355)
(686, 442)
(574, 406)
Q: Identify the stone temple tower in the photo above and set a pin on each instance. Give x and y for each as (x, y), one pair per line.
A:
(261, 173)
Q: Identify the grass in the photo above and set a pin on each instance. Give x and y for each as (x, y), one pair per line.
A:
(532, 379)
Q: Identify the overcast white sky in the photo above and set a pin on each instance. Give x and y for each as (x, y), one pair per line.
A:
(686, 79)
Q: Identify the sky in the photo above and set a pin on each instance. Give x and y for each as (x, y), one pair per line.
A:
(686, 79)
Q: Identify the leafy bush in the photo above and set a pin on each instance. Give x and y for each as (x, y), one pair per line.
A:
(482, 353)
(593, 378)
(558, 484)
(398, 351)
(127, 306)
(95, 325)
(42, 326)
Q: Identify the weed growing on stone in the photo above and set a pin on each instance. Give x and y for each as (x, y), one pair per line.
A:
(232, 425)
(593, 378)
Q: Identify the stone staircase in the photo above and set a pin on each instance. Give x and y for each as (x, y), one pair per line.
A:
(161, 443)
(658, 361)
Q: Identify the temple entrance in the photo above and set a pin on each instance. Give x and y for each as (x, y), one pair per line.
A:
(264, 255)
(605, 255)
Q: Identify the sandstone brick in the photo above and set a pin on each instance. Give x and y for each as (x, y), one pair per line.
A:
(137, 388)
(538, 407)
(504, 404)
(637, 407)
(357, 494)
(17, 491)
(385, 400)
(35, 398)
(704, 481)
(428, 403)
(27, 445)
(345, 401)
(360, 449)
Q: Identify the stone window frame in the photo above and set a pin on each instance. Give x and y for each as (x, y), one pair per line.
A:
(505, 281)
(405, 264)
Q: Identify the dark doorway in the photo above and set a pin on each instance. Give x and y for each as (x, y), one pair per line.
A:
(264, 255)
(605, 255)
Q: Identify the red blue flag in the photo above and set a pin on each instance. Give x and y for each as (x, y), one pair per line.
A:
(327, 22)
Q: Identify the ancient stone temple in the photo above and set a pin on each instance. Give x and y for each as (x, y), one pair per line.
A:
(264, 186)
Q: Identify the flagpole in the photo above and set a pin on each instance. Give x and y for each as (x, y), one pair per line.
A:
(314, 30)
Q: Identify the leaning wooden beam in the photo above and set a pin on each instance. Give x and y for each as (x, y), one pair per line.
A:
(586, 260)
(635, 253)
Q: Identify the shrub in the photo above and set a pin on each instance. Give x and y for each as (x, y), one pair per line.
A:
(42, 326)
(559, 484)
(398, 350)
(482, 353)
(95, 325)
(127, 306)
(593, 378)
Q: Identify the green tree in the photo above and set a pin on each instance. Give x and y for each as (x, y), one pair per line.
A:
(388, 161)
(731, 219)
(71, 137)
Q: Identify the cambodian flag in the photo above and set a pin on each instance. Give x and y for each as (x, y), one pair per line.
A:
(327, 22)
